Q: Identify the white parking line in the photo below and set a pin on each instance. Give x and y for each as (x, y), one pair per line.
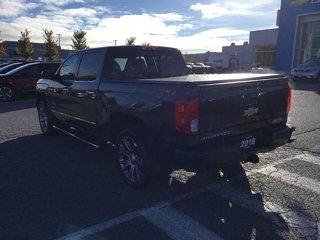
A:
(291, 178)
(310, 159)
(304, 157)
(302, 224)
(81, 234)
(177, 225)
(268, 210)
(271, 170)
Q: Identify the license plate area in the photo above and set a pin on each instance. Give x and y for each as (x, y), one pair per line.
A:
(247, 143)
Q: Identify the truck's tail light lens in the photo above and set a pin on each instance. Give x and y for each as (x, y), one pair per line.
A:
(289, 100)
(187, 117)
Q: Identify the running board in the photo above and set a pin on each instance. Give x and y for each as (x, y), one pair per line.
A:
(79, 138)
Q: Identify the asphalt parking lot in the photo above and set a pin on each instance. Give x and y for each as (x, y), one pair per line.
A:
(60, 188)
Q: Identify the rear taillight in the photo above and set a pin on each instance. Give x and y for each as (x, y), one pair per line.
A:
(289, 100)
(186, 117)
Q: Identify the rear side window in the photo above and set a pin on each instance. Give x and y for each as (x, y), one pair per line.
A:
(68, 68)
(89, 66)
(145, 64)
(49, 67)
(30, 70)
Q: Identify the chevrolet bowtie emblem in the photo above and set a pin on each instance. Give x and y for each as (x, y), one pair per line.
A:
(250, 111)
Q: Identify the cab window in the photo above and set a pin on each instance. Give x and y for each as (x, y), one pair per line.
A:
(89, 66)
(68, 68)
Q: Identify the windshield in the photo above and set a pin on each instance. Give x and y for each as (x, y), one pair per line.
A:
(139, 63)
(312, 63)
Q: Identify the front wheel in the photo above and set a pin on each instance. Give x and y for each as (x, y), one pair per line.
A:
(45, 119)
(132, 158)
(6, 93)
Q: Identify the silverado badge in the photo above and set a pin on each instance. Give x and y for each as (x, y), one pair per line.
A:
(250, 111)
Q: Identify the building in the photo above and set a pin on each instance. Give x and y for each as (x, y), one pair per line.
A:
(260, 51)
(219, 60)
(11, 47)
(299, 33)
(264, 44)
(197, 57)
(240, 56)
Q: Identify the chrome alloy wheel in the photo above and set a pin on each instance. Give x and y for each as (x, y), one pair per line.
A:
(6, 93)
(43, 118)
(130, 159)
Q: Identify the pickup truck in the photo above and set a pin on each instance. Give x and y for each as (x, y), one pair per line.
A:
(141, 101)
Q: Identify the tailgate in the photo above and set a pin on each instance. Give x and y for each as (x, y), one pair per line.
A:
(242, 105)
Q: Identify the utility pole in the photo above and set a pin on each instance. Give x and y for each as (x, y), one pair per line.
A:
(59, 43)
(115, 42)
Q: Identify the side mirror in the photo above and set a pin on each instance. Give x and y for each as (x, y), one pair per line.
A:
(47, 74)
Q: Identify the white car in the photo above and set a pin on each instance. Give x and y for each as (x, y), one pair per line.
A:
(308, 70)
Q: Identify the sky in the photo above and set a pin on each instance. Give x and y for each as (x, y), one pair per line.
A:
(189, 25)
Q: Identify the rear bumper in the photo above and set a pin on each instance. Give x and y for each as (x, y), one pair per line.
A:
(228, 150)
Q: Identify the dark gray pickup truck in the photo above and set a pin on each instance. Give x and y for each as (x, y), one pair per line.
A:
(141, 100)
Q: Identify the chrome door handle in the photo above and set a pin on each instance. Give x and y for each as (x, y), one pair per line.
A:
(91, 94)
(66, 91)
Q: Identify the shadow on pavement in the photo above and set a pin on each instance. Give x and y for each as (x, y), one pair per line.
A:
(18, 104)
(52, 186)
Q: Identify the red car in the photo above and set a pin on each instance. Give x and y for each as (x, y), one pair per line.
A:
(23, 79)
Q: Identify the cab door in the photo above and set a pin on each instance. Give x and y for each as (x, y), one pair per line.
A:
(84, 90)
(25, 80)
(59, 91)
(74, 97)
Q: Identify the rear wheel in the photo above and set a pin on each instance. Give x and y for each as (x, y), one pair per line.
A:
(133, 158)
(6, 93)
(45, 119)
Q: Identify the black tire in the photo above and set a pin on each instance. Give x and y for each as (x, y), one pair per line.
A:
(6, 93)
(45, 119)
(133, 158)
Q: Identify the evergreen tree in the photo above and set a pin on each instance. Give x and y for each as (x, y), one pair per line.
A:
(25, 48)
(130, 40)
(2, 49)
(50, 50)
(79, 40)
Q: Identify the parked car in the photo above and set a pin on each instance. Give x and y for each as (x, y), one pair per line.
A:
(11, 66)
(206, 68)
(23, 79)
(189, 68)
(309, 70)
(215, 68)
(197, 69)
(200, 68)
(4, 64)
(142, 101)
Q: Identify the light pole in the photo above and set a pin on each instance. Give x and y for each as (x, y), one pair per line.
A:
(59, 43)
